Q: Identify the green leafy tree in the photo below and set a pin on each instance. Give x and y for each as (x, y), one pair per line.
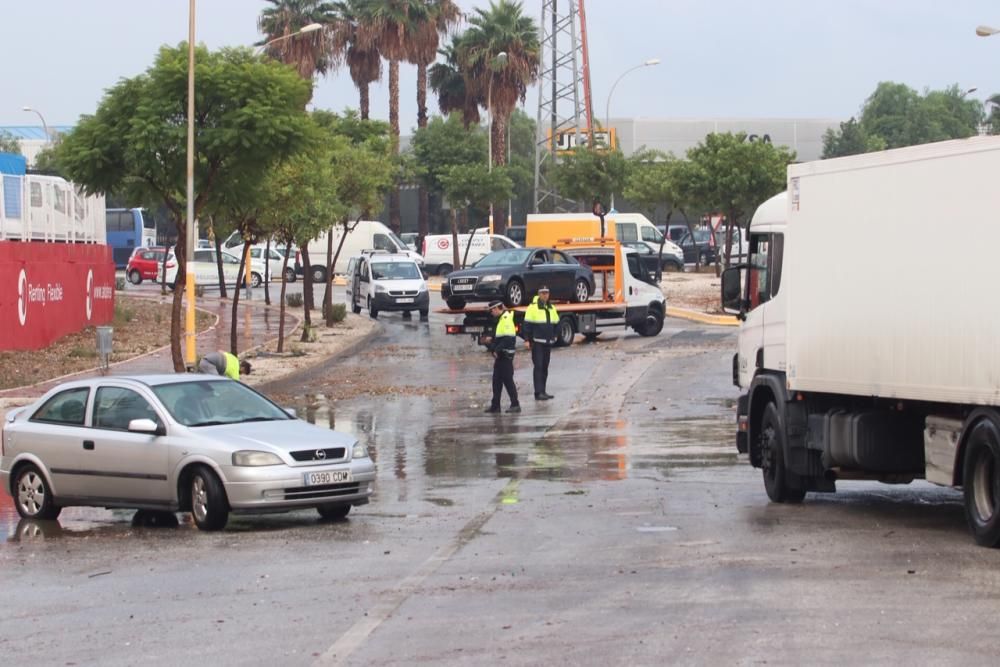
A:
(587, 173)
(248, 115)
(733, 176)
(443, 144)
(47, 160)
(8, 144)
(850, 139)
(472, 185)
(653, 181)
(501, 82)
(447, 80)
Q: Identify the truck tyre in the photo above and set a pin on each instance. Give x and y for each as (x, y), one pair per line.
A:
(566, 333)
(652, 326)
(582, 291)
(591, 337)
(455, 302)
(515, 293)
(772, 456)
(444, 269)
(981, 469)
(289, 275)
(318, 274)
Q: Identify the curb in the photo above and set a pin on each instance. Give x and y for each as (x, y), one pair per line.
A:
(702, 318)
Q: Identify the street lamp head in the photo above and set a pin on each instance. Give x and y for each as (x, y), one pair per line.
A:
(986, 31)
(970, 91)
(312, 27)
(26, 109)
(652, 61)
(502, 58)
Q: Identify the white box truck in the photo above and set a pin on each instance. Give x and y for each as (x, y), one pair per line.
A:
(869, 346)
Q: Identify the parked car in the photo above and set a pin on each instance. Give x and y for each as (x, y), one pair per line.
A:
(515, 275)
(410, 239)
(206, 269)
(700, 249)
(740, 244)
(180, 443)
(439, 255)
(145, 263)
(650, 261)
(381, 281)
(261, 271)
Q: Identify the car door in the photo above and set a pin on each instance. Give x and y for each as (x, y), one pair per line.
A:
(535, 273)
(351, 280)
(205, 270)
(364, 282)
(56, 434)
(230, 268)
(563, 271)
(126, 466)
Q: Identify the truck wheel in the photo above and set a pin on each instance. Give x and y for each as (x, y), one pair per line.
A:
(652, 326)
(455, 302)
(981, 474)
(515, 293)
(444, 270)
(289, 275)
(566, 333)
(772, 456)
(582, 291)
(591, 337)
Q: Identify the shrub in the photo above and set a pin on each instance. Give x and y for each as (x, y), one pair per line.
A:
(123, 314)
(119, 284)
(294, 300)
(338, 311)
(81, 352)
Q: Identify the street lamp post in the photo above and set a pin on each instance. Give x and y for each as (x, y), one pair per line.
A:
(189, 333)
(499, 61)
(607, 108)
(45, 126)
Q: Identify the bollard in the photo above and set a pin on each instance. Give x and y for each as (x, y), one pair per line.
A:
(104, 340)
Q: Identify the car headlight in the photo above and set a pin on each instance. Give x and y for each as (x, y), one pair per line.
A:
(359, 451)
(422, 288)
(380, 289)
(491, 278)
(252, 458)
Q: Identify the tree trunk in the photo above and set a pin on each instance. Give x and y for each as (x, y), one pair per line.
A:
(395, 221)
(267, 273)
(240, 277)
(176, 310)
(281, 304)
(328, 310)
(218, 265)
(328, 292)
(365, 100)
(663, 241)
(163, 268)
(307, 286)
(468, 245)
(499, 140)
(454, 239)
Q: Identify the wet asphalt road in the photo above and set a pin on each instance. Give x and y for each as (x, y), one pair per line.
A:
(614, 523)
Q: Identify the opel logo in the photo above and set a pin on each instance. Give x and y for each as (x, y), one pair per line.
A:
(321, 453)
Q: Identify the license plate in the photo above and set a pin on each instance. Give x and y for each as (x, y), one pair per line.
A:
(473, 329)
(461, 288)
(320, 478)
(407, 300)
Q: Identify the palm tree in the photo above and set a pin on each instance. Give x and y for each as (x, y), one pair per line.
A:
(388, 26)
(440, 16)
(309, 53)
(448, 81)
(364, 64)
(503, 28)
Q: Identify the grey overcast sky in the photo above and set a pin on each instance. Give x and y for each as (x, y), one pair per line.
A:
(722, 58)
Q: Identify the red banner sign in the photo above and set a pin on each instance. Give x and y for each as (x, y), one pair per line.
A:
(49, 290)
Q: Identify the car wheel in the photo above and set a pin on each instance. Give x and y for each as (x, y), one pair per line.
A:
(980, 478)
(455, 302)
(135, 277)
(289, 275)
(423, 313)
(565, 332)
(333, 512)
(672, 267)
(515, 293)
(355, 308)
(772, 457)
(318, 274)
(372, 312)
(444, 269)
(582, 291)
(209, 506)
(255, 280)
(33, 497)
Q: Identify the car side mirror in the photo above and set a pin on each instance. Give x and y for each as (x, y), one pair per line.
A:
(147, 426)
(732, 291)
(291, 413)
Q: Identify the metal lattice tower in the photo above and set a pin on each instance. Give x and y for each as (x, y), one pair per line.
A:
(564, 107)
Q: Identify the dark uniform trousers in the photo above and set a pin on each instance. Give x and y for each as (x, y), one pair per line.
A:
(503, 377)
(540, 353)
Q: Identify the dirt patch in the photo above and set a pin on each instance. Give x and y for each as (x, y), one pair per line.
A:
(140, 326)
(694, 291)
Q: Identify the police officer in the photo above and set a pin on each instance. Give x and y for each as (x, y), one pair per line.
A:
(539, 329)
(223, 363)
(502, 346)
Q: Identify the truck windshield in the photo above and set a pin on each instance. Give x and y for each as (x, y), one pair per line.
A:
(511, 257)
(395, 271)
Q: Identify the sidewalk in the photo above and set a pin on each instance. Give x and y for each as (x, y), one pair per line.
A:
(258, 325)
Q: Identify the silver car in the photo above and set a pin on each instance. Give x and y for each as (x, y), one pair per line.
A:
(194, 443)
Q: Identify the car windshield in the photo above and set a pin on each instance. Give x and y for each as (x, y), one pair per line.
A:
(216, 402)
(395, 271)
(701, 235)
(513, 257)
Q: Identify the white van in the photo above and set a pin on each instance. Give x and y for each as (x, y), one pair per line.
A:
(381, 281)
(438, 255)
(632, 227)
(367, 235)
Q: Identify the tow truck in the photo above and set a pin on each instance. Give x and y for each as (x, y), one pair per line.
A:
(624, 297)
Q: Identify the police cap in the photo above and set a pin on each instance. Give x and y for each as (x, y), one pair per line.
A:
(543, 288)
(496, 304)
